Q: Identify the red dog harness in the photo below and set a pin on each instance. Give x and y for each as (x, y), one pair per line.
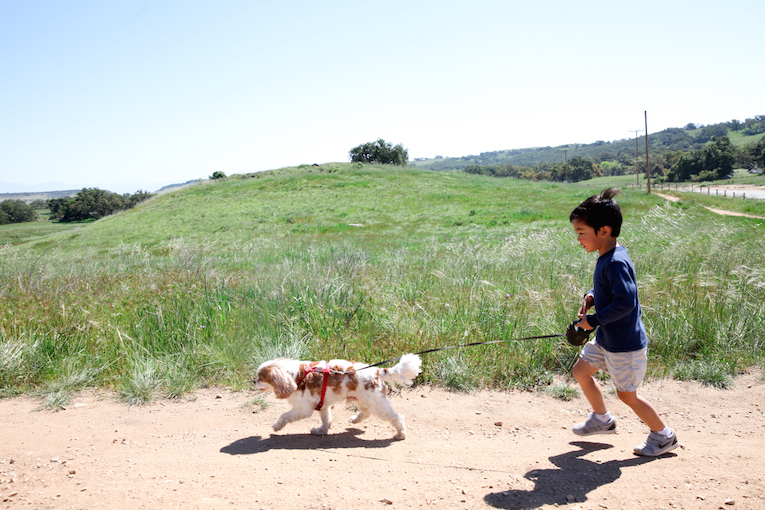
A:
(326, 371)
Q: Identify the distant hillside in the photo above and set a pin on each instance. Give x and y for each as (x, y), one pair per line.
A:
(31, 196)
(691, 137)
(173, 187)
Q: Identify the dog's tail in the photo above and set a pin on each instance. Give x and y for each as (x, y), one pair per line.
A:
(404, 372)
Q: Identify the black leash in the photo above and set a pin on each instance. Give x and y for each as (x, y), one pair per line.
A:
(466, 345)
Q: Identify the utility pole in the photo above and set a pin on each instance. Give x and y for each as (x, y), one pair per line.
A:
(565, 163)
(637, 166)
(647, 168)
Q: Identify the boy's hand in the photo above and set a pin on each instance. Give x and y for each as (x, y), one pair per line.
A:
(589, 301)
(584, 324)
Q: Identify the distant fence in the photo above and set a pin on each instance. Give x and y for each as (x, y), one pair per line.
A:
(699, 189)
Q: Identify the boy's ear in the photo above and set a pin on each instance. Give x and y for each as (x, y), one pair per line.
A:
(605, 231)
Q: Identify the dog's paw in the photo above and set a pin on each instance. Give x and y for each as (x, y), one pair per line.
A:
(278, 426)
(319, 431)
(356, 418)
(400, 435)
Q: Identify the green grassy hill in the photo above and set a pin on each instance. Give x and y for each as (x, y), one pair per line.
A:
(198, 286)
(343, 201)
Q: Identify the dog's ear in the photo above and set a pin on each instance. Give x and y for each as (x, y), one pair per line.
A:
(281, 381)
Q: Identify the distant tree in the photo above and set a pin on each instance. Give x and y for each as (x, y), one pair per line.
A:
(719, 157)
(16, 211)
(379, 152)
(580, 169)
(605, 156)
(612, 168)
(754, 126)
(216, 176)
(689, 164)
(712, 131)
(715, 161)
(93, 203)
(690, 126)
(756, 153)
(136, 198)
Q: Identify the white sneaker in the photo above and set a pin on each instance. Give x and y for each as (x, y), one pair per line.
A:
(594, 426)
(656, 445)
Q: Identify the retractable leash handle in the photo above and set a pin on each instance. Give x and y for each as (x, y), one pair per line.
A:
(576, 335)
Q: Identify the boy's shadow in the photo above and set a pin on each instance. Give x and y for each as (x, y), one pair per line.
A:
(571, 482)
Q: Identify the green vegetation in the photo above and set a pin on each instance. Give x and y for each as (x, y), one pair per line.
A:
(715, 161)
(380, 152)
(34, 230)
(16, 211)
(698, 152)
(198, 286)
(92, 204)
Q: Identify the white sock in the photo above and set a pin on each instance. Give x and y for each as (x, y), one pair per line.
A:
(603, 418)
(667, 432)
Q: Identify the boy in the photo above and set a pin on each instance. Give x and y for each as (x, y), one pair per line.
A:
(620, 344)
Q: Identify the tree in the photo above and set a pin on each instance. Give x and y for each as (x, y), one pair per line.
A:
(689, 164)
(16, 211)
(379, 152)
(712, 131)
(719, 157)
(715, 161)
(756, 152)
(218, 175)
(92, 204)
(580, 169)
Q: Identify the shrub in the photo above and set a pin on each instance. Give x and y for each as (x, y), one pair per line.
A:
(16, 211)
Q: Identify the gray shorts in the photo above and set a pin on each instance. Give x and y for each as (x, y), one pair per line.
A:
(626, 369)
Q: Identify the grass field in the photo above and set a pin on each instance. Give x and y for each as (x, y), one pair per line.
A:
(16, 233)
(198, 286)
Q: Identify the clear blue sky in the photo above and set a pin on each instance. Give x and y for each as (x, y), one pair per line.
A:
(128, 94)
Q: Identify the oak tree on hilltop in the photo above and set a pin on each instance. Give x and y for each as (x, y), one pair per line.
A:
(379, 152)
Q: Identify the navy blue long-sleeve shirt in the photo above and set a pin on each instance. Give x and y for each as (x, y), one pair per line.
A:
(617, 308)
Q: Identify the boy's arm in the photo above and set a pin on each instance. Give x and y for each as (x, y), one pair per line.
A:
(589, 301)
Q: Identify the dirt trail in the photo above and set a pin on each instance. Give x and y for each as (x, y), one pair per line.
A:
(717, 211)
(484, 450)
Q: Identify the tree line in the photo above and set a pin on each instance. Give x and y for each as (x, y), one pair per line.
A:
(93, 203)
(618, 153)
(88, 204)
(715, 160)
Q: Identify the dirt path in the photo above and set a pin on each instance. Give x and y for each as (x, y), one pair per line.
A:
(485, 450)
(717, 211)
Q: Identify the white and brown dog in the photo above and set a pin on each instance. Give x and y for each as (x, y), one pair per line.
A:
(312, 385)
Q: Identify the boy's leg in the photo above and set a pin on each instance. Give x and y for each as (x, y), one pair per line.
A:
(603, 424)
(583, 373)
(643, 409)
(662, 439)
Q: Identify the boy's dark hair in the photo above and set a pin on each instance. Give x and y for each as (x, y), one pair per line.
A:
(600, 211)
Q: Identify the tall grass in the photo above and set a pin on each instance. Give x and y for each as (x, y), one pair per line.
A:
(162, 315)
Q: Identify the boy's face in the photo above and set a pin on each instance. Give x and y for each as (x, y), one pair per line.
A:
(600, 241)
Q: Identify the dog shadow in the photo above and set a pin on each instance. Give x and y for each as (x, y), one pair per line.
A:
(348, 439)
(573, 479)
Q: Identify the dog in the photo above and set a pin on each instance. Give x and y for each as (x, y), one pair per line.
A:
(305, 385)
